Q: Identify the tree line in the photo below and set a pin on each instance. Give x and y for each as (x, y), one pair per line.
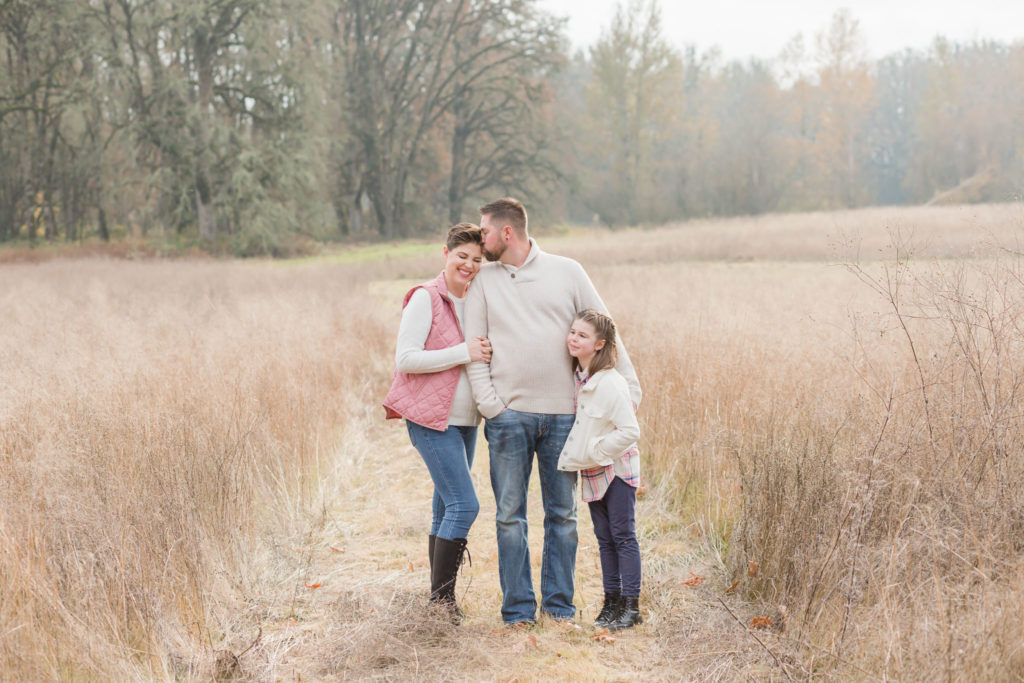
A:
(260, 125)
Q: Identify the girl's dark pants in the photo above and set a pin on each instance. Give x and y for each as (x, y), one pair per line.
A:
(615, 528)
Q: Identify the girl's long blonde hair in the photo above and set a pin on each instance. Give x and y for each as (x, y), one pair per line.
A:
(604, 329)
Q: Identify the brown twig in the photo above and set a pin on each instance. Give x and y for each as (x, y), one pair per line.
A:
(833, 655)
(759, 641)
(254, 643)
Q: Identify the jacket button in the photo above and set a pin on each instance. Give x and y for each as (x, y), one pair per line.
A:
(513, 275)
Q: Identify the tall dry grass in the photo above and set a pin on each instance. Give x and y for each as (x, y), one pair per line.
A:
(157, 421)
(846, 435)
(167, 429)
(888, 514)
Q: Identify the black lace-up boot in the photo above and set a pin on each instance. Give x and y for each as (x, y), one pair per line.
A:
(448, 557)
(609, 612)
(629, 613)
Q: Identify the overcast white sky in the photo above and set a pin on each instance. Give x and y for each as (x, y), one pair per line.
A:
(760, 28)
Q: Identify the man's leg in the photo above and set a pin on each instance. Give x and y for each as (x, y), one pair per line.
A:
(558, 492)
(510, 442)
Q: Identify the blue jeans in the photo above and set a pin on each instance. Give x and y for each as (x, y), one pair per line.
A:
(514, 437)
(449, 455)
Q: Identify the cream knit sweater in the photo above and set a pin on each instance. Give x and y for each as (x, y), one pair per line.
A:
(526, 312)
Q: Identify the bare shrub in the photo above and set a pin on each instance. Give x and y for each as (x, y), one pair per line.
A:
(888, 531)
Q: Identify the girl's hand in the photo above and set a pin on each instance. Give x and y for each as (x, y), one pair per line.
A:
(479, 350)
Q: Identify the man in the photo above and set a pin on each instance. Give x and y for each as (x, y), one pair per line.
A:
(524, 301)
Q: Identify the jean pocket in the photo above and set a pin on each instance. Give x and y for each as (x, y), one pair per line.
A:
(504, 416)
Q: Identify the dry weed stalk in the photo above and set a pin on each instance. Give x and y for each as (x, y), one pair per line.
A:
(916, 526)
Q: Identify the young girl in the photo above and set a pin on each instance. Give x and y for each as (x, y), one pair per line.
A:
(602, 447)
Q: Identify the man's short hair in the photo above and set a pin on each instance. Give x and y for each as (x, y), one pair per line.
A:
(463, 233)
(507, 211)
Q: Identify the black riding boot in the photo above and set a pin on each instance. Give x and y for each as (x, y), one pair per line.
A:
(430, 556)
(447, 560)
(610, 611)
(629, 613)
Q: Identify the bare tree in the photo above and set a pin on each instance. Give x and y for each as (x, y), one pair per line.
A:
(412, 65)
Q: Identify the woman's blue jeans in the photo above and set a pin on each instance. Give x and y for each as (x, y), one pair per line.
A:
(449, 455)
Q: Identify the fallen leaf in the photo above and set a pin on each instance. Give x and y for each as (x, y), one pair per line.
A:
(752, 569)
(731, 588)
(600, 633)
(533, 639)
(410, 566)
(337, 549)
(761, 622)
(693, 581)
(313, 585)
(604, 638)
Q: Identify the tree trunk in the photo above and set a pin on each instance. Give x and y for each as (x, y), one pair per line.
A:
(49, 224)
(355, 213)
(457, 178)
(101, 218)
(204, 214)
(203, 192)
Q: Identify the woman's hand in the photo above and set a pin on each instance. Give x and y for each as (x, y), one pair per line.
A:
(479, 350)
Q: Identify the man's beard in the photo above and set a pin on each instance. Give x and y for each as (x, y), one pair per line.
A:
(496, 254)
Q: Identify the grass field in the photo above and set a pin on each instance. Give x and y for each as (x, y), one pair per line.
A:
(196, 480)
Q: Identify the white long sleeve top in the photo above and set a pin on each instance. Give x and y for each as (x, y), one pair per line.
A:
(411, 357)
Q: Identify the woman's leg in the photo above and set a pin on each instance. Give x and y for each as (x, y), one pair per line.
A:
(469, 442)
(445, 456)
(437, 512)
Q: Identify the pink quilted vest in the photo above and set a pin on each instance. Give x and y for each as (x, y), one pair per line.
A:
(426, 398)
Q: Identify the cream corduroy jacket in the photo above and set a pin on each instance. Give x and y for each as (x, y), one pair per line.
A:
(605, 425)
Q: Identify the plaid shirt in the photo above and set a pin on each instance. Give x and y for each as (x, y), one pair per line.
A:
(594, 482)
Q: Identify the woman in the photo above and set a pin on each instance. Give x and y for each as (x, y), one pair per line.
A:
(431, 391)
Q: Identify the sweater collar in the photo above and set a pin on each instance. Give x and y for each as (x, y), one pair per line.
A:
(535, 251)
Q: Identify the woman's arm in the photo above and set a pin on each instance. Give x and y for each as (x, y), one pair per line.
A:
(410, 355)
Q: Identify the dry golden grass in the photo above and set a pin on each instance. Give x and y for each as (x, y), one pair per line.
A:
(188, 449)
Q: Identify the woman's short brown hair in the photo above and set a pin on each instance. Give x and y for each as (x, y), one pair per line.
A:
(463, 233)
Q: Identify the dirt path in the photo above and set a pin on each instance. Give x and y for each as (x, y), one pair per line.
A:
(350, 603)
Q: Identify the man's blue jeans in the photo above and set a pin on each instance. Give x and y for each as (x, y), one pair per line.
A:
(449, 455)
(514, 437)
